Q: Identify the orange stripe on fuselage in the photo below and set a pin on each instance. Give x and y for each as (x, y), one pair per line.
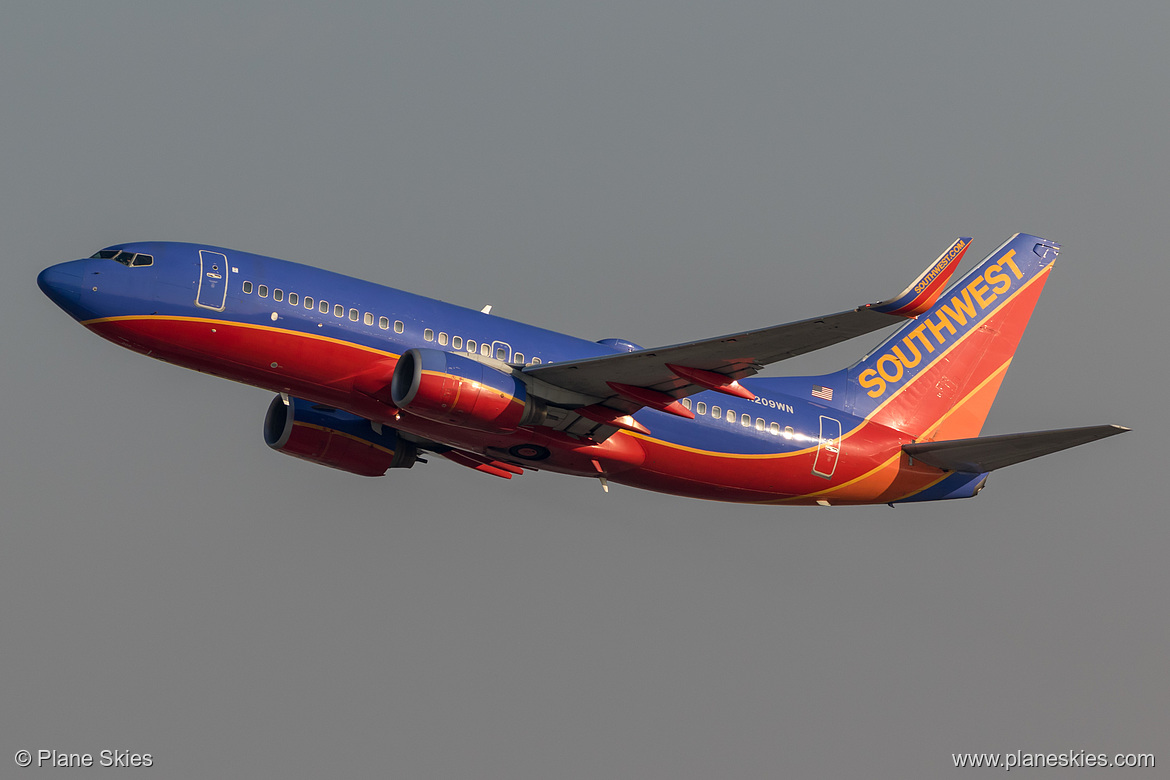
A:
(100, 321)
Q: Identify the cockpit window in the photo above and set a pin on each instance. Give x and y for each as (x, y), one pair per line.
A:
(125, 258)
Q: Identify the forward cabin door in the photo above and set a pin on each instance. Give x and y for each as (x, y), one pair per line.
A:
(213, 280)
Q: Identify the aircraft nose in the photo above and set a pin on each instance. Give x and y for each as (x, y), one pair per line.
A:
(62, 283)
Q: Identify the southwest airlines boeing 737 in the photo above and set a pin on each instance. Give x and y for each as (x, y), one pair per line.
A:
(369, 378)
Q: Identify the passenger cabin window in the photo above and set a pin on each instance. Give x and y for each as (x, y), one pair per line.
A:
(308, 303)
(745, 420)
(788, 432)
(774, 429)
(443, 339)
(730, 415)
(701, 407)
(686, 402)
(247, 288)
(457, 342)
(485, 350)
(278, 294)
(384, 323)
(368, 319)
(536, 361)
(398, 326)
(429, 334)
(759, 423)
(353, 315)
(263, 292)
(323, 307)
(716, 412)
(293, 300)
(517, 357)
(338, 310)
(470, 345)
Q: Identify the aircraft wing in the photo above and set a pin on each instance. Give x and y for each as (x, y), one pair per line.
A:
(988, 453)
(736, 356)
(655, 377)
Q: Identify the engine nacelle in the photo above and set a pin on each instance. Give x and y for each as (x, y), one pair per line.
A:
(453, 389)
(331, 437)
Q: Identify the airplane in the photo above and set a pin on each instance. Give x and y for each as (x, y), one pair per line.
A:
(370, 378)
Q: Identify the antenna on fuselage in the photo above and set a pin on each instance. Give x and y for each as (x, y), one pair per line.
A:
(601, 475)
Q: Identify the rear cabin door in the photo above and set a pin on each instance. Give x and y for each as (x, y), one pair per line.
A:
(829, 447)
(213, 280)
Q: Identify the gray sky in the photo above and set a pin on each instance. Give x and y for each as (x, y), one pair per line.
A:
(656, 171)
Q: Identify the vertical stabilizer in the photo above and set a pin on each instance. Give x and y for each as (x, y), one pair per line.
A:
(937, 376)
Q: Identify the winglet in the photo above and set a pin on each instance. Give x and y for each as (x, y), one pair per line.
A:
(926, 289)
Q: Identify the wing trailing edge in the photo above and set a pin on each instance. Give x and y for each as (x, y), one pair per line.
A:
(682, 369)
(988, 453)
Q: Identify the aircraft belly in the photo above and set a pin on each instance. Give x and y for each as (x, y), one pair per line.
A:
(868, 466)
(535, 447)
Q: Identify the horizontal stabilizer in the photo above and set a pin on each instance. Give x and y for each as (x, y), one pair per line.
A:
(976, 456)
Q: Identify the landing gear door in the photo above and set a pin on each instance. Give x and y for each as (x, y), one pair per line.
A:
(213, 280)
(829, 448)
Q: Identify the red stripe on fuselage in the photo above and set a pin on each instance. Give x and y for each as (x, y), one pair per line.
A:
(325, 369)
(317, 368)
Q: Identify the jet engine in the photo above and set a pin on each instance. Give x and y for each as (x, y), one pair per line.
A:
(453, 389)
(331, 437)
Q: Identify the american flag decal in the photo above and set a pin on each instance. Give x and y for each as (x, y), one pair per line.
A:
(822, 392)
